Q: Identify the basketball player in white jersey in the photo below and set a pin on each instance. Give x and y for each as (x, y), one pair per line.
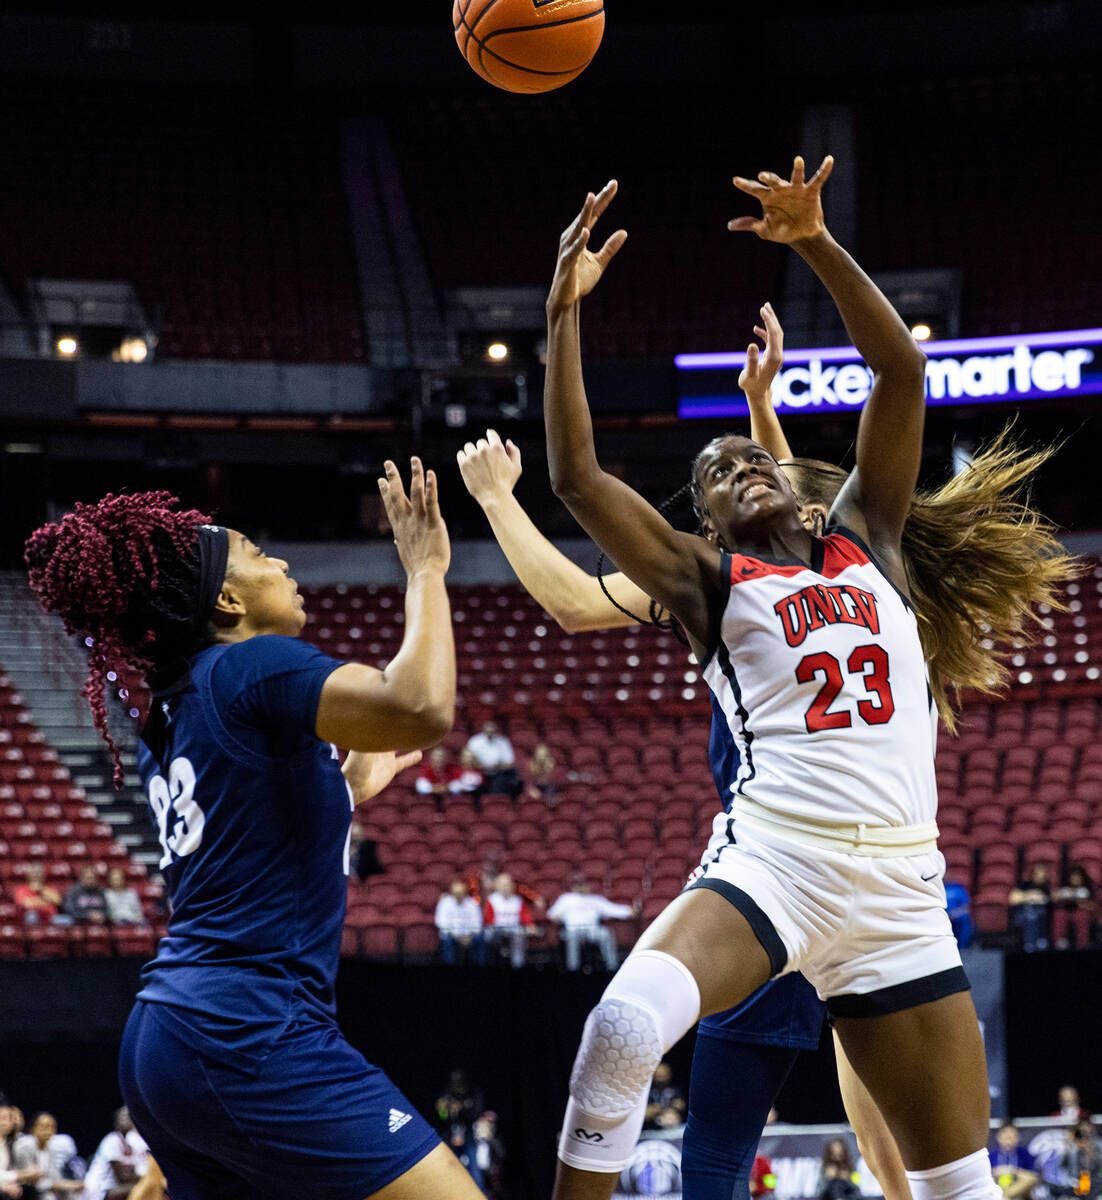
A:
(828, 862)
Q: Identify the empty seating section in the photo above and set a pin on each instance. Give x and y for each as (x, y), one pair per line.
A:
(229, 219)
(940, 184)
(627, 716)
(44, 818)
(681, 284)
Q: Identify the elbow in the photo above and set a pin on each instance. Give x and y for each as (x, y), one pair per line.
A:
(571, 481)
(432, 724)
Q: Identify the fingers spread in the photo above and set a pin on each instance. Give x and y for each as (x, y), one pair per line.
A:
(611, 247)
(797, 171)
(604, 198)
(750, 186)
(762, 333)
(492, 437)
(513, 450)
(402, 761)
(772, 180)
(823, 173)
(746, 225)
(432, 495)
(752, 354)
(416, 484)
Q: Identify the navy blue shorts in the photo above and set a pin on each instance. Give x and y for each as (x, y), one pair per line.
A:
(783, 1012)
(314, 1119)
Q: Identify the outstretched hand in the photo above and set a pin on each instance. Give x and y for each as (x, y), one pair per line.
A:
(490, 467)
(419, 531)
(792, 209)
(579, 269)
(756, 378)
(368, 773)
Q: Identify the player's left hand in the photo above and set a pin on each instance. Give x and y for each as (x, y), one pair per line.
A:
(792, 209)
(756, 378)
(579, 269)
(367, 774)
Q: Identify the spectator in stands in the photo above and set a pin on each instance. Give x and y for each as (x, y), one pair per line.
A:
(488, 1154)
(124, 906)
(958, 904)
(508, 918)
(763, 1182)
(541, 777)
(1070, 1107)
(470, 781)
(665, 1097)
(1012, 1164)
(85, 902)
(1081, 1163)
(495, 758)
(1073, 910)
(580, 913)
(11, 1181)
(459, 921)
(38, 900)
(437, 777)
(54, 1169)
(120, 1160)
(1029, 908)
(456, 1112)
(838, 1178)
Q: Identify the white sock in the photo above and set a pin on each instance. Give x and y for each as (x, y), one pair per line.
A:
(968, 1178)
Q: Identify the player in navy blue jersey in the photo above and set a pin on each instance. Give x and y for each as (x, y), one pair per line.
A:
(232, 1064)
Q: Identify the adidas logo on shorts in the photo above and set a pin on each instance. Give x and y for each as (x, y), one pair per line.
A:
(398, 1119)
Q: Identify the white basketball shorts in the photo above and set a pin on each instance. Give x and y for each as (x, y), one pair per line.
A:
(871, 934)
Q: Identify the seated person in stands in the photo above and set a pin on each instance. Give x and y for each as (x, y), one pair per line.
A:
(121, 1158)
(1029, 908)
(458, 919)
(1012, 1164)
(49, 1159)
(11, 1179)
(665, 1096)
(508, 918)
(437, 777)
(124, 906)
(838, 1178)
(580, 913)
(1073, 910)
(495, 758)
(470, 781)
(85, 902)
(958, 904)
(38, 900)
(541, 777)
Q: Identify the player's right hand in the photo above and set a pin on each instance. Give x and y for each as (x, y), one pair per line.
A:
(756, 378)
(419, 530)
(579, 269)
(791, 209)
(490, 468)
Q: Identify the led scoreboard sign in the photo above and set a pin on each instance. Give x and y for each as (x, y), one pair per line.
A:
(1039, 366)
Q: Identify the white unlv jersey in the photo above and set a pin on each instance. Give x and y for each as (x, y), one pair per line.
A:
(820, 674)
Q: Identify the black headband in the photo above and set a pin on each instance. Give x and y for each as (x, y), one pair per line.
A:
(214, 551)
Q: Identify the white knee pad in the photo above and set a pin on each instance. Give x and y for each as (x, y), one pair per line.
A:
(967, 1178)
(650, 1004)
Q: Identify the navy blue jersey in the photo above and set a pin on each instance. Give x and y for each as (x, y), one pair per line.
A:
(784, 1012)
(254, 818)
(722, 753)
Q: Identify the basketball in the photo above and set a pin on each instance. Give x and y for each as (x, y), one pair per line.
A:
(528, 45)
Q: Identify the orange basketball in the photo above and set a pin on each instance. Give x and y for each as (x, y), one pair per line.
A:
(528, 45)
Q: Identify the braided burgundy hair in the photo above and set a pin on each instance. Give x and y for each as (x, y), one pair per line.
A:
(123, 574)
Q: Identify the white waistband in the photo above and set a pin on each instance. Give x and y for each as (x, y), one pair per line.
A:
(875, 841)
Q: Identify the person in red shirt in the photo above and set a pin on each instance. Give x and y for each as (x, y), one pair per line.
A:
(437, 778)
(38, 901)
(507, 916)
(762, 1180)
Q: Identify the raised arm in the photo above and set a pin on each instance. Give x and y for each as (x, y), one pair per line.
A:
(410, 704)
(681, 571)
(877, 497)
(756, 380)
(575, 599)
